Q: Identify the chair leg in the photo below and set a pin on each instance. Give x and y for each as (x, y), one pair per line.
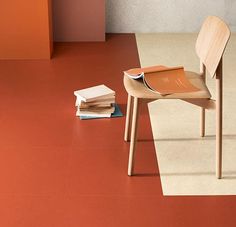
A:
(202, 122)
(219, 100)
(128, 118)
(203, 114)
(133, 135)
(219, 129)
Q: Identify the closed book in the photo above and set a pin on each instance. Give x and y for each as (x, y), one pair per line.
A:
(110, 109)
(117, 113)
(100, 101)
(107, 110)
(94, 93)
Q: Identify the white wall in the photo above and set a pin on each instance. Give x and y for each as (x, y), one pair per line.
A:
(124, 16)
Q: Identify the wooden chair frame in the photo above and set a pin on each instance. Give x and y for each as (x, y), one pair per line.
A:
(133, 103)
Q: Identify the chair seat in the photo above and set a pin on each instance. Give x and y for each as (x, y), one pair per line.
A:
(137, 89)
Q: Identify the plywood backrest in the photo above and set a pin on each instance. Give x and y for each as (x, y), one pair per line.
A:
(211, 43)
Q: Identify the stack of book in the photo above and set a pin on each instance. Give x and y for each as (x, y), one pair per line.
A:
(95, 102)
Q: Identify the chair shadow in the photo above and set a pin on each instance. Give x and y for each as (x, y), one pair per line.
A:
(230, 175)
(207, 137)
(227, 175)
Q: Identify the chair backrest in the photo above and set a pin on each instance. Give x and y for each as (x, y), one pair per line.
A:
(211, 43)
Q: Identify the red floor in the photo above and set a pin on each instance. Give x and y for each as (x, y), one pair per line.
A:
(59, 171)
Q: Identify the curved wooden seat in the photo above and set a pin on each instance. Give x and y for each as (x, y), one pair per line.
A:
(136, 88)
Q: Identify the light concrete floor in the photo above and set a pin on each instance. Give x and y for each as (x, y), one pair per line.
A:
(187, 161)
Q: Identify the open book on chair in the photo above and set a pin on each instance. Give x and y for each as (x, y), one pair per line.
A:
(162, 79)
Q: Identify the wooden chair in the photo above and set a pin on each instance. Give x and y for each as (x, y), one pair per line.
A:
(210, 46)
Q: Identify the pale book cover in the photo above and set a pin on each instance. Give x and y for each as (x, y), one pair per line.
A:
(84, 106)
(100, 101)
(79, 114)
(93, 93)
(98, 110)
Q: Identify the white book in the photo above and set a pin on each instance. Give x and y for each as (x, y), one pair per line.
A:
(78, 113)
(100, 101)
(94, 93)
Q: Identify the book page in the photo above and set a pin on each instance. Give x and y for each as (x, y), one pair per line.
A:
(136, 73)
(169, 81)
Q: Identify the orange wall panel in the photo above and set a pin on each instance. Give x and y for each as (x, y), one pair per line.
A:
(79, 20)
(25, 29)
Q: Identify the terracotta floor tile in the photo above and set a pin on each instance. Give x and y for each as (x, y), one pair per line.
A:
(33, 171)
(104, 172)
(56, 170)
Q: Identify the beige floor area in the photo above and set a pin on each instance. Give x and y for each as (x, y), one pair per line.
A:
(187, 161)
